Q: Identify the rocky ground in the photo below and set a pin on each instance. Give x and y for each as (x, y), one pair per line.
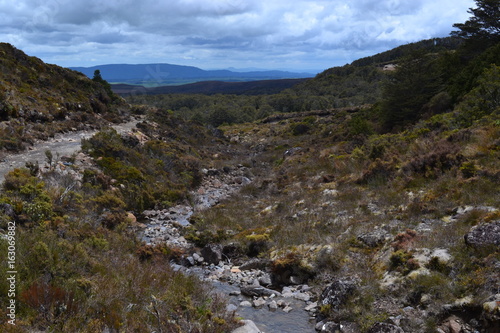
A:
(292, 305)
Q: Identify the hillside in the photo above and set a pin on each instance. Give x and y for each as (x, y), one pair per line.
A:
(381, 215)
(38, 100)
(168, 74)
(260, 87)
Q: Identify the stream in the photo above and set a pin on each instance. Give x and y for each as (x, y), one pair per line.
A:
(164, 227)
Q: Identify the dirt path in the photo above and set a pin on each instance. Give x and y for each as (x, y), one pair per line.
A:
(62, 145)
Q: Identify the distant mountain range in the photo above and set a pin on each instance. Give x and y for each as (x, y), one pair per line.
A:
(155, 75)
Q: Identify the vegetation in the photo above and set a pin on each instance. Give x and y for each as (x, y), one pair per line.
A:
(381, 190)
(80, 265)
(38, 100)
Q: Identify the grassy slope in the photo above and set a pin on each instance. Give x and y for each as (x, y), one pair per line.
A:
(38, 100)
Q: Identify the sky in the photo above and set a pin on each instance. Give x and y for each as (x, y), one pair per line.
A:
(298, 35)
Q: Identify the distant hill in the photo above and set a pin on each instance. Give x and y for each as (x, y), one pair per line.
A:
(261, 87)
(167, 74)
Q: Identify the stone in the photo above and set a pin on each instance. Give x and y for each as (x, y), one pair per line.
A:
(197, 258)
(454, 324)
(273, 306)
(212, 253)
(190, 261)
(295, 280)
(385, 328)
(248, 327)
(349, 327)
(265, 280)
(373, 239)
(246, 304)
(258, 291)
(255, 264)
(302, 296)
(337, 293)
(330, 327)
(258, 303)
(287, 309)
(312, 307)
(484, 235)
(131, 217)
(235, 293)
(231, 308)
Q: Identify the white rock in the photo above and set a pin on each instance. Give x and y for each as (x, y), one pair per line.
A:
(246, 304)
(248, 327)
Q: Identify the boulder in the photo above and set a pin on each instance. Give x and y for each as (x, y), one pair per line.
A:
(484, 235)
(212, 253)
(337, 293)
(258, 291)
(373, 239)
(248, 327)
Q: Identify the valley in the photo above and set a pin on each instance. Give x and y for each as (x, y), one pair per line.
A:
(362, 200)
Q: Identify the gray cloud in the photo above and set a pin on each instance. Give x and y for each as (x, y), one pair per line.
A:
(222, 33)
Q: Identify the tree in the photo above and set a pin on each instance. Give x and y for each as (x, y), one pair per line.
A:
(416, 80)
(105, 84)
(484, 25)
(97, 76)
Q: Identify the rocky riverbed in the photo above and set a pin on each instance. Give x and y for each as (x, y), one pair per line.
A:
(247, 286)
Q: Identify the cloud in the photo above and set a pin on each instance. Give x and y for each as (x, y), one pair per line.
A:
(222, 33)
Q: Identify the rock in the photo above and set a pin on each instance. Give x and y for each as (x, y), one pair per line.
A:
(337, 293)
(385, 328)
(491, 309)
(212, 253)
(131, 217)
(246, 304)
(311, 307)
(198, 258)
(373, 239)
(248, 327)
(255, 264)
(349, 327)
(295, 280)
(265, 280)
(453, 324)
(258, 291)
(273, 306)
(484, 235)
(258, 303)
(235, 293)
(302, 296)
(287, 309)
(190, 261)
(328, 327)
(231, 308)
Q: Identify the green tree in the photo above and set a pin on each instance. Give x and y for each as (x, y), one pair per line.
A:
(411, 86)
(105, 84)
(484, 25)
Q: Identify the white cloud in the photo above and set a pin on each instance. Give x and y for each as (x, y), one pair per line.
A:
(222, 33)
